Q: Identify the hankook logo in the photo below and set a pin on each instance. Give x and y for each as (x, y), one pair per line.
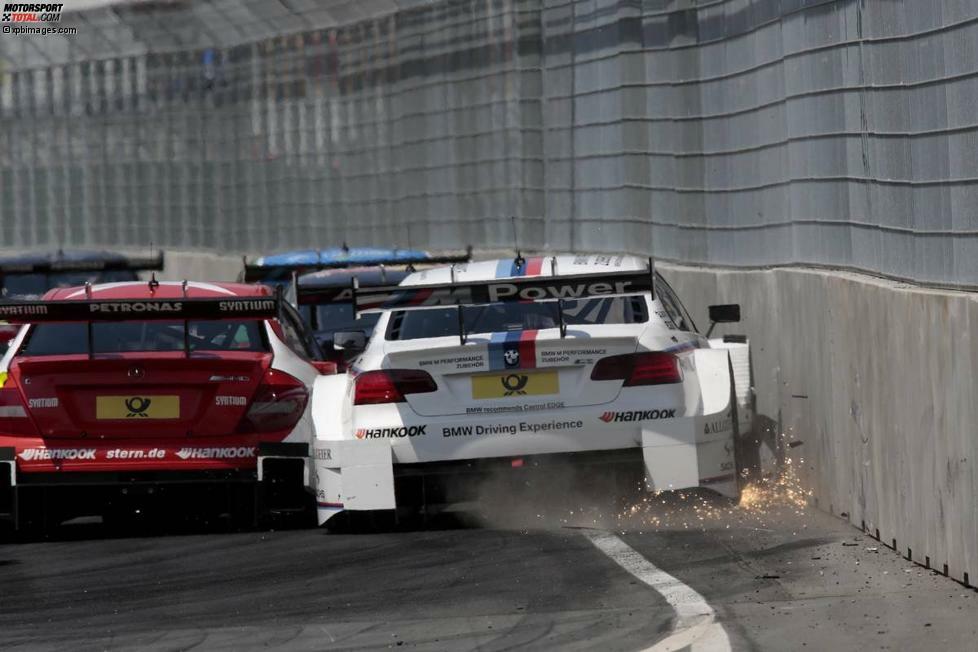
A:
(380, 433)
(33, 454)
(216, 453)
(638, 415)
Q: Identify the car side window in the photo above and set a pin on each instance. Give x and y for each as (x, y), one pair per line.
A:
(673, 306)
(295, 333)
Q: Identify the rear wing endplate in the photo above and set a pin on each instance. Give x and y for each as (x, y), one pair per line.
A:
(129, 263)
(256, 273)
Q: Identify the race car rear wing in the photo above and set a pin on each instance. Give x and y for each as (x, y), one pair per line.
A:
(256, 273)
(128, 263)
(91, 311)
(520, 289)
(36, 312)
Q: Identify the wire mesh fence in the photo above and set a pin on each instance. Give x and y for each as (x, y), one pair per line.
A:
(724, 132)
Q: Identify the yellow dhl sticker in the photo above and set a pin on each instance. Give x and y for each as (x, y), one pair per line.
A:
(3, 378)
(515, 383)
(137, 407)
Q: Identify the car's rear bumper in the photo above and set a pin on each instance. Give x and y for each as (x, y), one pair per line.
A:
(681, 444)
(275, 477)
(40, 456)
(367, 474)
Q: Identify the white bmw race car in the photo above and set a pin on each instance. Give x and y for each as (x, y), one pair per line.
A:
(512, 364)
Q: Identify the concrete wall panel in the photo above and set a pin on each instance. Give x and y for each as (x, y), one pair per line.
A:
(877, 379)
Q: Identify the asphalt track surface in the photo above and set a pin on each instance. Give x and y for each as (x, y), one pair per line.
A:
(777, 577)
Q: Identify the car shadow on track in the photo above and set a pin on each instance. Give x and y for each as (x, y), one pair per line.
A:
(94, 528)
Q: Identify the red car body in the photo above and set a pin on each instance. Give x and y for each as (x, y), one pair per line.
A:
(142, 402)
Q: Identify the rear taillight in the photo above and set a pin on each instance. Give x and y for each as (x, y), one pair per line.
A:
(650, 368)
(14, 419)
(391, 385)
(278, 404)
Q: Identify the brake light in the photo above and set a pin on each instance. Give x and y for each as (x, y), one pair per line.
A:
(391, 385)
(636, 369)
(278, 404)
(14, 419)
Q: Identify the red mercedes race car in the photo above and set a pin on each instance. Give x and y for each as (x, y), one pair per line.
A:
(141, 400)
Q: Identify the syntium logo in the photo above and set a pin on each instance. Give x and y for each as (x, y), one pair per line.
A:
(638, 415)
(381, 433)
(14, 310)
(247, 306)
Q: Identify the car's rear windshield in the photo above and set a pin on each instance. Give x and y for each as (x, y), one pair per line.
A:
(332, 317)
(64, 339)
(504, 317)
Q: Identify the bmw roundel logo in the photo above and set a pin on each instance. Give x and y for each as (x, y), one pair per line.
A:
(512, 357)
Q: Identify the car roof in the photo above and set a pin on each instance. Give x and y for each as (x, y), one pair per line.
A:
(165, 290)
(366, 276)
(352, 255)
(566, 265)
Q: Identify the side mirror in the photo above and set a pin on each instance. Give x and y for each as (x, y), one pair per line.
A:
(349, 341)
(325, 367)
(726, 313)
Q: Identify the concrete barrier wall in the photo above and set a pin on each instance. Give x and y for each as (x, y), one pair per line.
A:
(877, 380)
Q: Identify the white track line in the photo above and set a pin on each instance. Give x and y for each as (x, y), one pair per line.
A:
(696, 627)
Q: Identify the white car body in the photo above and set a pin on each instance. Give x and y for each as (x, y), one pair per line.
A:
(683, 431)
